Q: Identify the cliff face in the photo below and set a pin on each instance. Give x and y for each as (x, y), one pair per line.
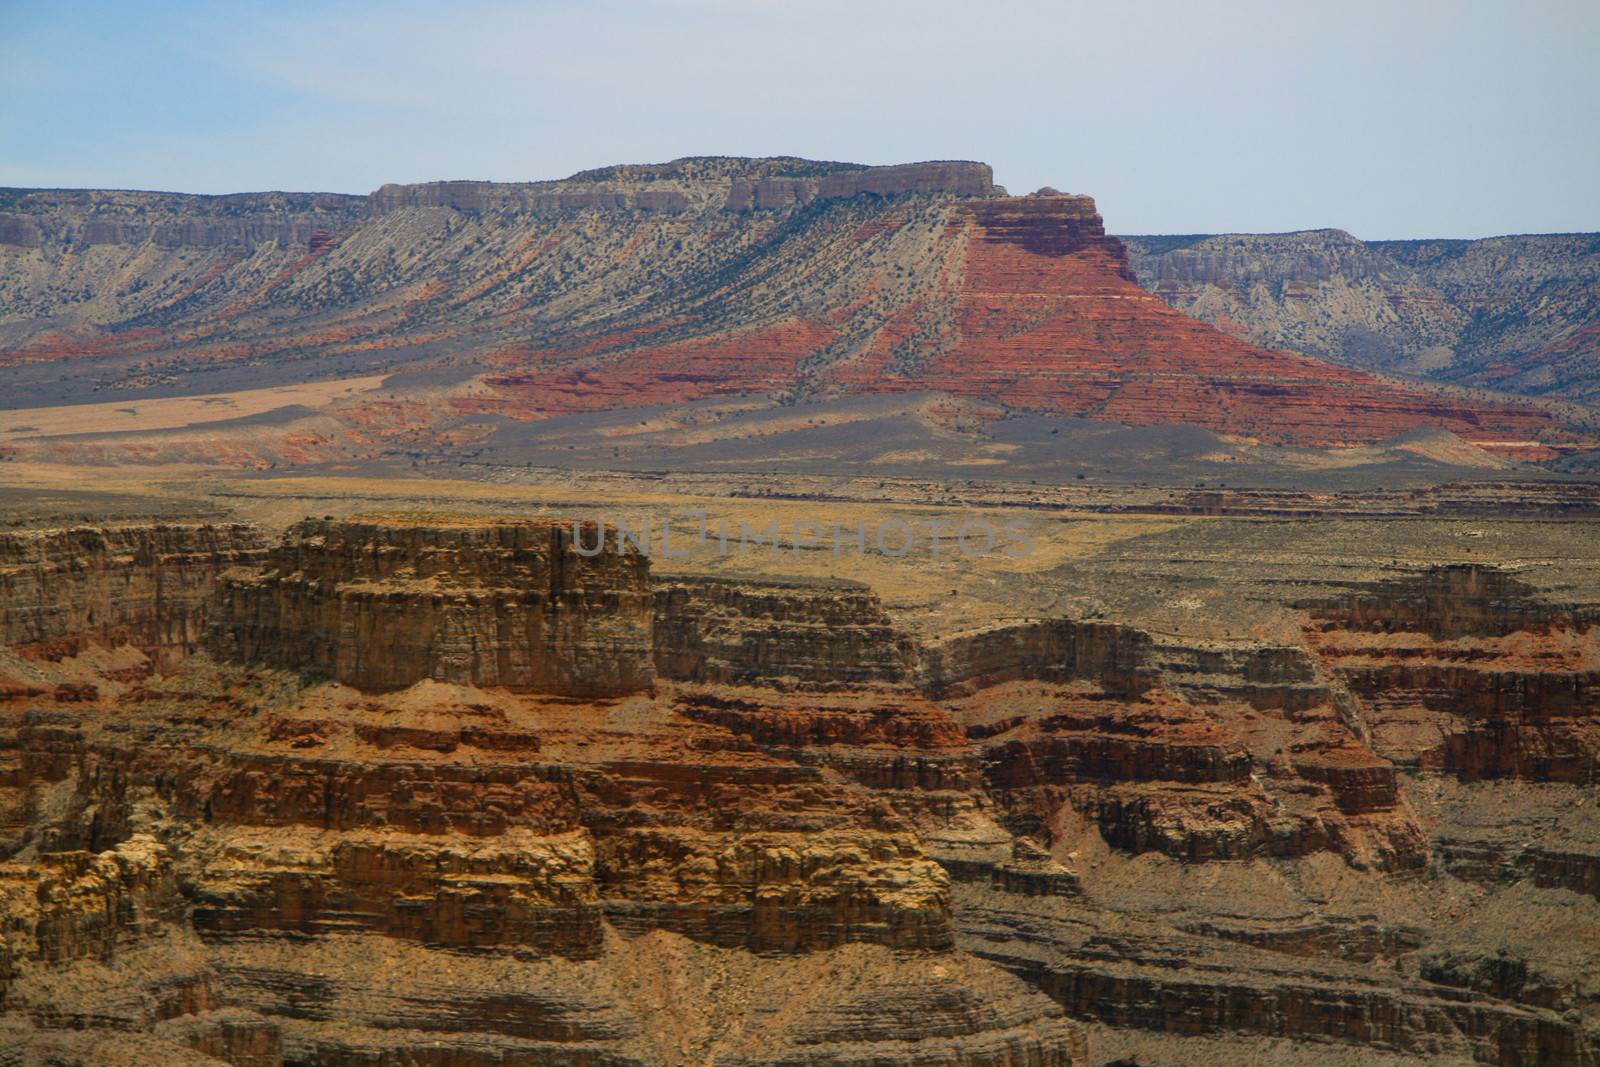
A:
(636, 286)
(722, 631)
(1516, 314)
(687, 185)
(149, 586)
(1468, 671)
(1051, 649)
(384, 605)
(551, 878)
(814, 840)
(80, 219)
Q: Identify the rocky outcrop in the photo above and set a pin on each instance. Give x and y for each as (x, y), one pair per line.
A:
(20, 231)
(238, 843)
(525, 198)
(1153, 772)
(1048, 224)
(1119, 657)
(85, 218)
(777, 892)
(1188, 987)
(682, 187)
(963, 179)
(721, 630)
(1468, 670)
(807, 837)
(519, 890)
(384, 604)
(75, 905)
(145, 585)
(1451, 601)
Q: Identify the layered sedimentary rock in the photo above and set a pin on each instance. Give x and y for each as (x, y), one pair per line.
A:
(1469, 671)
(145, 585)
(1055, 649)
(75, 905)
(517, 889)
(730, 631)
(1021, 300)
(638, 286)
(946, 179)
(318, 872)
(381, 605)
(688, 184)
(524, 198)
(817, 839)
(1516, 313)
(84, 218)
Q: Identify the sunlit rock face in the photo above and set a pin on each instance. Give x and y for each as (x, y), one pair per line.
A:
(382, 605)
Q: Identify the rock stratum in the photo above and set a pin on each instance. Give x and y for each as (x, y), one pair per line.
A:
(1519, 314)
(574, 811)
(783, 281)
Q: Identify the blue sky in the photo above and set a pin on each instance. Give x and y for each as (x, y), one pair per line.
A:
(1388, 119)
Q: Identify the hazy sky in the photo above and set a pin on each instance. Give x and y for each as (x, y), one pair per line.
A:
(1388, 119)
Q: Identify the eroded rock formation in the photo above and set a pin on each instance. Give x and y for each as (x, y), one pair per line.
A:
(382, 605)
(805, 836)
(148, 586)
(1515, 313)
(639, 286)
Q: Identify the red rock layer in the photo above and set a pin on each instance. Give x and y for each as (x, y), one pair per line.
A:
(1468, 671)
(1045, 315)
(745, 361)
(1029, 303)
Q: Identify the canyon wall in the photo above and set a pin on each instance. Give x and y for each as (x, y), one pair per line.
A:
(145, 585)
(762, 633)
(382, 605)
(797, 835)
(1118, 657)
(213, 859)
(1469, 670)
(779, 279)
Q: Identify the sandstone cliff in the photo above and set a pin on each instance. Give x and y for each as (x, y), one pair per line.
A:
(382, 605)
(146, 585)
(816, 839)
(715, 630)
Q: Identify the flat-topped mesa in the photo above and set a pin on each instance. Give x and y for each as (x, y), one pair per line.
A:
(692, 185)
(540, 198)
(1047, 223)
(383, 603)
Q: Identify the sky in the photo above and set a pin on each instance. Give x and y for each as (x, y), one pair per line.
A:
(1393, 119)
